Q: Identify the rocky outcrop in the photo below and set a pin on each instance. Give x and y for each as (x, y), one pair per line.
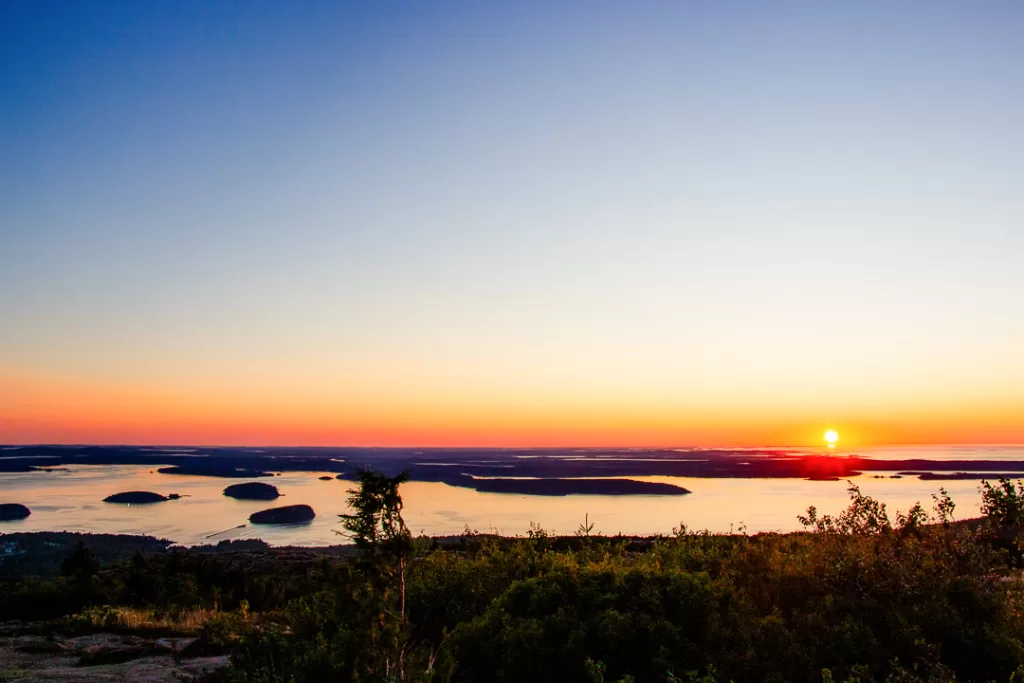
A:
(10, 512)
(135, 498)
(253, 490)
(326, 478)
(103, 657)
(289, 514)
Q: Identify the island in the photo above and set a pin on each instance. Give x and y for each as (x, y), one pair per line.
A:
(566, 487)
(213, 470)
(289, 514)
(253, 490)
(136, 498)
(10, 512)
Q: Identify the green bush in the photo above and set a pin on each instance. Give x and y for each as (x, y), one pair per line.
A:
(1003, 504)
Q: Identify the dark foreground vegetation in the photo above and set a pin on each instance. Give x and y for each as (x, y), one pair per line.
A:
(858, 597)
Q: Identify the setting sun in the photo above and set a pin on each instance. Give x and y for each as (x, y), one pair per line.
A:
(831, 436)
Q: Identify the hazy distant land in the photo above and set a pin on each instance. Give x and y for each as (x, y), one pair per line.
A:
(546, 471)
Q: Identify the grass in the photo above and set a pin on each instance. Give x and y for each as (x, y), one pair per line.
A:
(188, 621)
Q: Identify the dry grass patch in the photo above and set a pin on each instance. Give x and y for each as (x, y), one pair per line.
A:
(189, 620)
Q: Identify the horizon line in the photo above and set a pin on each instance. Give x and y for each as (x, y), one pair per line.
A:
(534, 447)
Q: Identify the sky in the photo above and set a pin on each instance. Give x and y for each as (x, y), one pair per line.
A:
(511, 224)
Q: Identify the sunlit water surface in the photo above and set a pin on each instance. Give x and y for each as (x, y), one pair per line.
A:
(72, 501)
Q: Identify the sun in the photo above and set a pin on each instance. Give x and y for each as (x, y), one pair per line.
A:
(831, 436)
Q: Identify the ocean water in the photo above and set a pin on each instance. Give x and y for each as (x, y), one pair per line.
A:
(72, 501)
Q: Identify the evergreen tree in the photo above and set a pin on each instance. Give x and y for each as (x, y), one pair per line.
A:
(384, 542)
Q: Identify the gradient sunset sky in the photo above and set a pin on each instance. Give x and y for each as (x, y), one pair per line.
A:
(478, 223)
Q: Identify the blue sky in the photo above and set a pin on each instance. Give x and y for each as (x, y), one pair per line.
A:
(564, 204)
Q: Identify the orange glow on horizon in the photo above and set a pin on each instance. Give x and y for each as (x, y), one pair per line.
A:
(40, 409)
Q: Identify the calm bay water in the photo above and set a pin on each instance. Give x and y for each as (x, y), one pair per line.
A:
(72, 501)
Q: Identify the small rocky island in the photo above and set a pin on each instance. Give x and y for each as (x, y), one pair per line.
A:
(10, 512)
(289, 514)
(139, 497)
(253, 490)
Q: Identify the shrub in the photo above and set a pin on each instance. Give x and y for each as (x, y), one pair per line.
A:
(1004, 504)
